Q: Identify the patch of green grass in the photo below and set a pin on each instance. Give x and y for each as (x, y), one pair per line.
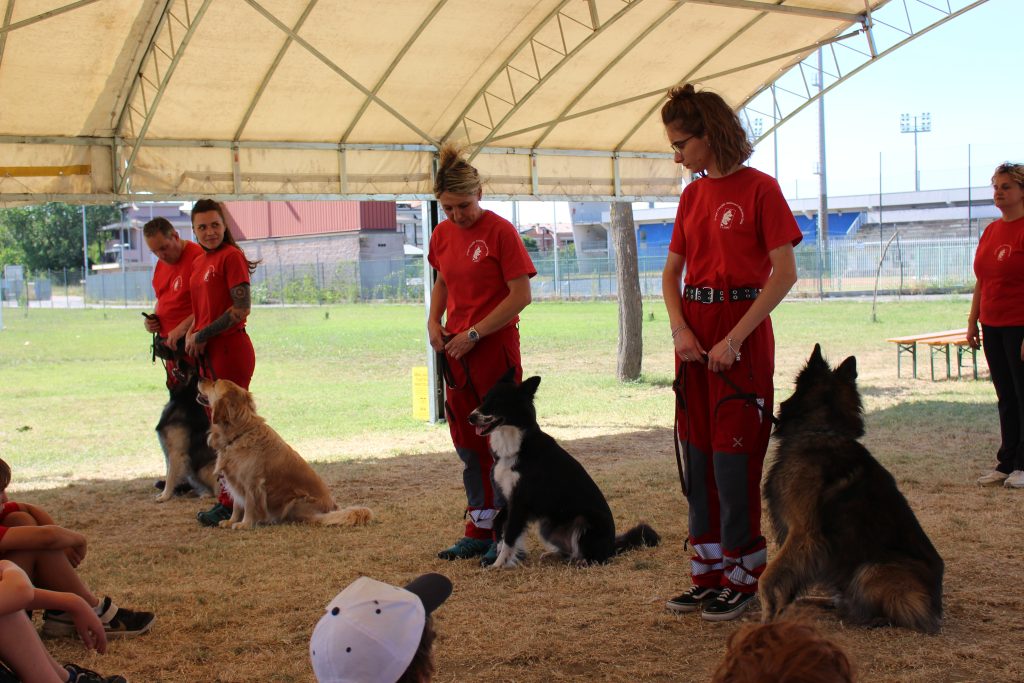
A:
(80, 396)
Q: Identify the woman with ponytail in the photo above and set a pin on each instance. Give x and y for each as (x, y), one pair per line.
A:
(220, 306)
(483, 283)
(734, 234)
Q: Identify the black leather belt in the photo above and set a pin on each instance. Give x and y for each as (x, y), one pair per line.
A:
(710, 295)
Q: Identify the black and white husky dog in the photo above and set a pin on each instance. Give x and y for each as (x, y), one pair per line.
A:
(542, 483)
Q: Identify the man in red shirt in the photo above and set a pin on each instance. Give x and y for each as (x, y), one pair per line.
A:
(173, 313)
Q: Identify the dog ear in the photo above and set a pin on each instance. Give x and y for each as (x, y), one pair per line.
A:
(529, 386)
(816, 356)
(509, 376)
(847, 370)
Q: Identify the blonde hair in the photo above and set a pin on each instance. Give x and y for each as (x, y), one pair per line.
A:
(1015, 171)
(706, 114)
(455, 174)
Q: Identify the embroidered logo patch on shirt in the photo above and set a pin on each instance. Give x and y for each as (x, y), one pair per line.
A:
(210, 272)
(729, 214)
(177, 284)
(1002, 252)
(477, 250)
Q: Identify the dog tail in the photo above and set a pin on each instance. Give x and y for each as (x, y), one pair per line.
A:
(638, 536)
(350, 516)
(893, 593)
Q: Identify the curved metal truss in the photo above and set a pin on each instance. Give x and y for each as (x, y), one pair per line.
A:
(485, 120)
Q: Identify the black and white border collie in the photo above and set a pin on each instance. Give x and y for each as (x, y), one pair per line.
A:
(542, 483)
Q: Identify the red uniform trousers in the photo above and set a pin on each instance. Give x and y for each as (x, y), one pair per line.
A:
(228, 356)
(723, 435)
(486, 363)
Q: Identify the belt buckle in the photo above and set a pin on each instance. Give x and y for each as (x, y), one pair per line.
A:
(710, 295)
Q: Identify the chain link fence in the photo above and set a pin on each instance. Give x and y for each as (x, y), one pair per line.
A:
(841, 268)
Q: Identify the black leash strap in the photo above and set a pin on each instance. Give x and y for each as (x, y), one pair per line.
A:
(679, 388)
(449, 377)
(750, 396)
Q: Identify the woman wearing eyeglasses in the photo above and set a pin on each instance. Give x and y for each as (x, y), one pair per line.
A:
(999, 269)
(735, 234)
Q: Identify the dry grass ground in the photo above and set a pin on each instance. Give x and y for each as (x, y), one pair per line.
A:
(239, 606)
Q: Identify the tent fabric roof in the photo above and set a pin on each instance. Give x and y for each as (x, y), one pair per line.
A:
(172, 99)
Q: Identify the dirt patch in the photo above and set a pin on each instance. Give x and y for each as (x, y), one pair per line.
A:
(239, 606)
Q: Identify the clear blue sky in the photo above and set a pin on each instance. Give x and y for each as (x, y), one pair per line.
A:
(969, 74)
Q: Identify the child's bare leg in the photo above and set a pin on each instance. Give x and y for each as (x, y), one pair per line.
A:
(51, 569)
(22, 650)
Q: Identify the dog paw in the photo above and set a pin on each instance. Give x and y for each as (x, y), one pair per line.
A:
(241, 525)
(224, 524)
(163, 498)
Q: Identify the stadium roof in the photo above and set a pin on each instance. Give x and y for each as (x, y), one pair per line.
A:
(282, 99)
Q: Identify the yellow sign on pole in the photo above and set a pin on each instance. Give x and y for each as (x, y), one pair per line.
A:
(420, 394)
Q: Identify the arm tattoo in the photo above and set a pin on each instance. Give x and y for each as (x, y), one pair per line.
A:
(240, 305)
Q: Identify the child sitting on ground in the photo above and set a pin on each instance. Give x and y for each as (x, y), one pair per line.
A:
(20, 647)
(49, 554)
(374, 632)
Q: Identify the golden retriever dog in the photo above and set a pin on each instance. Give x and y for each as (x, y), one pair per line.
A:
(269, 481)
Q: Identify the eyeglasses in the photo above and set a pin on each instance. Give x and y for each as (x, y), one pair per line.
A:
(678, 145)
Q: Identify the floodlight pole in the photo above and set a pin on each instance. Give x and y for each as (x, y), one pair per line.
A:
(924, 126)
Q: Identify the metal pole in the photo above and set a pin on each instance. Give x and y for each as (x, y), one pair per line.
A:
(554, 237)
(124, 275)
(85, 257)
(879, 205)
(968, 196)
(822, 180)
(917, 173)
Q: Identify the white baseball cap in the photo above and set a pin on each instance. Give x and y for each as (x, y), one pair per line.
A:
(371, 630)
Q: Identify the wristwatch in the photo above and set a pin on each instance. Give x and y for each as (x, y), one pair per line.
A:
(474, 336)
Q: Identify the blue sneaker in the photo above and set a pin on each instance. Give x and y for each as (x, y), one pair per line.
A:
(491, 556)
(465, 548)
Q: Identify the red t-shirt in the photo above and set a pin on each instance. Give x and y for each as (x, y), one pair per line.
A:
(171, 285)
(999, 267)
(476, 264)
(725, 228)
(7, 509)
(213, 276)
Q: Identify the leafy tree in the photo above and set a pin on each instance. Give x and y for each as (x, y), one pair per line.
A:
(530, 243)
(49, 236)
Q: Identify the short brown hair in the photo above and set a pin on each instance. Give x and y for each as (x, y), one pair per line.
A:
(788, 651)
(5, 475)
(158, 225)
(706, 114)
(455, 174)
(421, 668)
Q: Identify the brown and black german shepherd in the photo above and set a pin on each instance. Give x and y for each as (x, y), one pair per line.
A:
(840, 520)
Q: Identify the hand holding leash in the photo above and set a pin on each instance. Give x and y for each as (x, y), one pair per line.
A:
(152, 322)
(723, 355)
(459, 345)
(686, 345)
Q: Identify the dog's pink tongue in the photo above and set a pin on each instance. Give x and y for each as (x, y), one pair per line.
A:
(479, 430)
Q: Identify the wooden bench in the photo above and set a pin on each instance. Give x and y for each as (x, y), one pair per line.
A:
(939, 343)
(943, 345)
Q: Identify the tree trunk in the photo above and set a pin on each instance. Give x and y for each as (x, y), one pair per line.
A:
(631, 312)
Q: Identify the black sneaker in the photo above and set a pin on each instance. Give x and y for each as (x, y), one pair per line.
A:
(117, 621)
(77, 674)
(692, 600)
(214, 516)
(729, 604)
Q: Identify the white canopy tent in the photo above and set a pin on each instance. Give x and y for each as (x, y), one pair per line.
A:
(103, 100)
